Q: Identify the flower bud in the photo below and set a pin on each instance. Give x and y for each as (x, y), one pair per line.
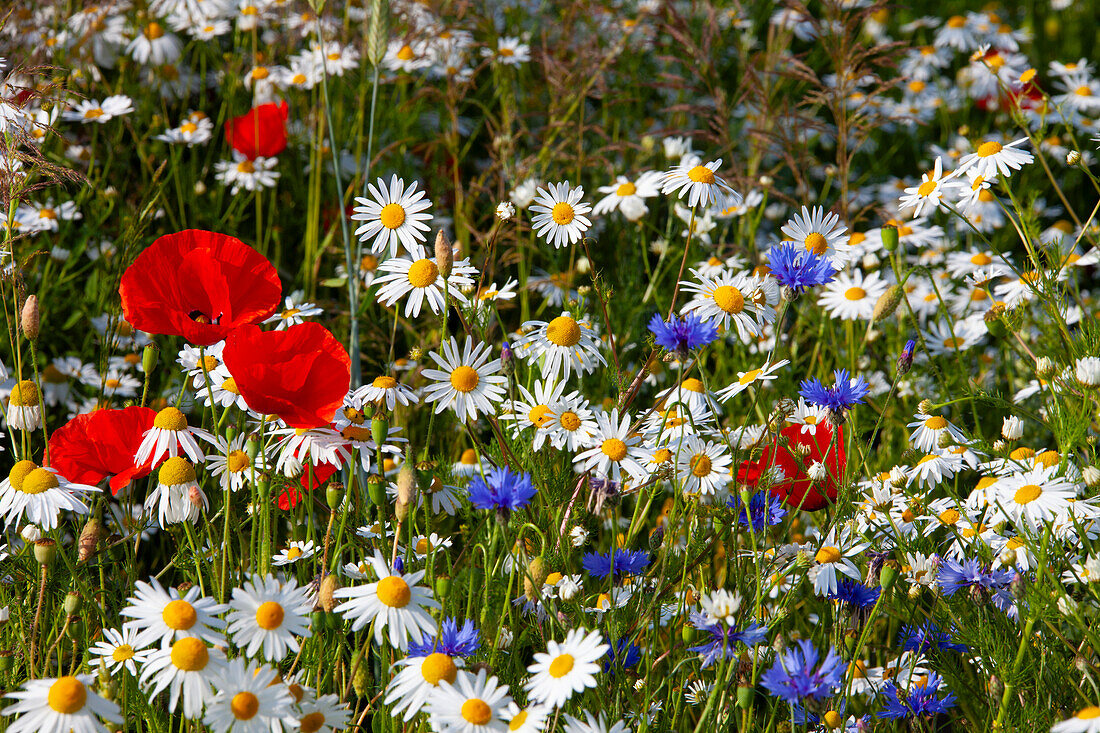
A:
(441, 586)
(888, 575)
(361, 676)
(29, 317)
(44, 551)
(72, 603)
(1012, 428)
(444, 255)
(534, 578)
(89, 538)
(994, 321)
(1091, 476)
(506, 210)
(376, 489)
(887, 303)
(379, 428)
(334, 494)
(744, 697)
(1073, 157)
(149, 358)
(889, 237)
(252, 446)
(925, 406)
(905, 360)
(1044, 367)
(406, 491)
(329, 585)
(656, 538)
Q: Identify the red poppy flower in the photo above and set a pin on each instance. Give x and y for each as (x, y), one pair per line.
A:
(796, 489)
(260, 132)
(199, 285)
(91, 447)
(301, 374)
(313, 477)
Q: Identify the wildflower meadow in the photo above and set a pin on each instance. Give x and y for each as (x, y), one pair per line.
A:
(589, 366)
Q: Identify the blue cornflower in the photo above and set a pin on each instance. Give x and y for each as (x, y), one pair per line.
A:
(624, 562)
(794, 677)
(621, 656)
(723, 639)
(917, 701)
(798, 268)
(504, 491)
(841, 396)
(763, 510)
(454, 641)
(954, 576)
(927, 637)
(683, 334)
(854, 593)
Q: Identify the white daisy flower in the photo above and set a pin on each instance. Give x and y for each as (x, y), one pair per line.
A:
(697, 182)
(1085, 720)
(386, 391)
(177, 497)
(248, 174)
(933, 468)
(566, 668)
(24, 406)
(323, 714)
(833, 558)
(597, 724)
(466, 382)
(925, 197)
(852, 297)
(119, 650)
(266, 614)
(395, 601)
(186, 668)
(60, 705)
(294, 552)
(531, 719)
(419, 677)
(393, 216)
(628, 196)
(418, 276)
(992, 158)
(573, 425)
(249, 699)
(560, 214)
(1034, 498)
(293, 313)
(616, 452)
(563, 345)
(232, 465)
(735, 301)
(91, 110)
(819, 232)
(533, 410)
(161, 616)
(703, 466)
(170, 433)
(929, 429)
(39, 495)
(766, 373)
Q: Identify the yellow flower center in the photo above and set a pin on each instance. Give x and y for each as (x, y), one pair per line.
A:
(626, 189)
(176, 471)
(729, 299)
(563, 331)
(1088, 713)
(190, 654)
(949, 516)
(469, 457)
(405, 53)
(832, 720)
(392, 216)
(170, 419)
(926, 188)
(827, 555)
(956, 21)
(123, 653)
(562, 213)
(1028, 493)
(394, 592)
(693, 385)
(244, 705)
(384, 383)
(750, 376)
(561, 666)
(423, 273)
(953, 343)
(260, 73)
(700, 465)
(179, 615)
(989, 148)
(570, 421)
(237, 461)
(1048, 458)
(38, 481)
(614, 449)
(855, 294)
(24, 394)
(369, 263)
(465, 379)
(540, 415)
(356, 432)
(815, 242)
(701, 174)
(19, 473)
(245, 166)
(1015, 543)
(935, 423)
(311, 723)
(1022, 454)
(517, 722)
(153, 31)
(67, 695)
(476, 712)
(269, 615)
(438, 666)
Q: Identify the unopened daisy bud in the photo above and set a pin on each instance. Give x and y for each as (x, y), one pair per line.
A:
(200, 188)
(444, 255)
(925, 406)
(506, 210)
(28, 317)
(887, 303)
(802, 449)
(196, 497)
(1012, 428)
(890, 237)
(995, 687)
(329, 585)
(71, 603)
(535, 577)
(149, 357)
(1044, 367)
(89, 538)
(1073, 157)
(44, 551)
(334, 494)
(31, 533)
(898, 477)
(361, 677)
(1091, 476)
(817, 471)
(1000, 446)
(583, 265)
(1088, 372)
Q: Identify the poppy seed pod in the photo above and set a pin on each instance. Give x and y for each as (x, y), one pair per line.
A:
(889, 238)
(444, 255)
(29, 317)
(149, 357)
(44, 551)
